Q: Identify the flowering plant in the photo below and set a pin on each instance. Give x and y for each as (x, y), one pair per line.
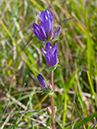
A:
(45, 32)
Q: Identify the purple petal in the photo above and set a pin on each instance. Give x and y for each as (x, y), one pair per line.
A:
(47, 14)
(48, 57)
(32, 29)
(43, 51)
(42, 33)
(42, 25)
(56, 48)
(35, 26)
(48, 47)
(54, 58)
(36, 29)
(57, 32)
(47, 25)
(51, 59)
(51, 13)
(41, 15)
(37, 35)
(39, 32)
(36, 32)
(51, 25)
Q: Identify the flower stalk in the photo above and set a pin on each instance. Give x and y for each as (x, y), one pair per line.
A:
(52, 102)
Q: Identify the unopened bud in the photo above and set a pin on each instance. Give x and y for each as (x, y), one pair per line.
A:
(57, 32)
(42, 81)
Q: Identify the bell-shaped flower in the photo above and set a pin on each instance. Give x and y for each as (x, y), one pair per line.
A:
(46, 19)
(39, 32)
(45, 30)
(51, 54)
(42, 81)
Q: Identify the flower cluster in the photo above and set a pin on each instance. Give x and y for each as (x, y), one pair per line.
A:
(45, 32)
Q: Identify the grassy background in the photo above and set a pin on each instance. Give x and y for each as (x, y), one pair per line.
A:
(22, 103)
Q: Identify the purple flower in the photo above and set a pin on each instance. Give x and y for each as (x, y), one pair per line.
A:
(45, 30)
(39, 32)
(51, 54)
(46, 19)
(41, 81)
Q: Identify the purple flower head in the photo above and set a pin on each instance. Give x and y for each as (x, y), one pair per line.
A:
(41, 81)
(45, 30)
(51, 54)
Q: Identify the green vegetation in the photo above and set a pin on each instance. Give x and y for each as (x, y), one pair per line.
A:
(23, 104)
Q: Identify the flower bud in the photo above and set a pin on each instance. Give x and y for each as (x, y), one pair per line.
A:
(42, 81)
(57, 32)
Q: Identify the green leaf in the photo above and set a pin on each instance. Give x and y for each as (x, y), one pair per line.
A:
(83, 121)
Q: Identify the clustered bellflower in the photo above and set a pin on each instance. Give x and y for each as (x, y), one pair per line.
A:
(45, 30)
(51, 54)
(42, 81)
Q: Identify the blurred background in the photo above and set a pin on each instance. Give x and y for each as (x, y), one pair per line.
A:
(22, 102)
